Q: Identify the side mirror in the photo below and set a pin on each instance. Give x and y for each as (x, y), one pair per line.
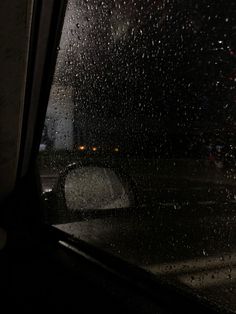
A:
(84, 191)
(90, 188)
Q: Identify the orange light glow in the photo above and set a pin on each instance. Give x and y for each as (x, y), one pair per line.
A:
(81, 147)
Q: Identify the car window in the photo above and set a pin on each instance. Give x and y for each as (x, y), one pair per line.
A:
(138, 151)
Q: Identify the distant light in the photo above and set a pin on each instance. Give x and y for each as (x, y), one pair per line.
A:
(47, 190)
(82, 147)
(94, 149)
(116, 149)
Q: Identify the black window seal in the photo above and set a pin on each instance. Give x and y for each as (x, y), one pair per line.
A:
(46, 26)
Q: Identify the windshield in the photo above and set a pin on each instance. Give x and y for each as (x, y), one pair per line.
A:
(143, 105)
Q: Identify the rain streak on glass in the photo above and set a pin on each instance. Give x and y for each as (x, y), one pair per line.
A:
(146, 89)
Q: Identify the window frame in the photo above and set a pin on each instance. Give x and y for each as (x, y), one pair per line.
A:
(48, 18)
(47, 22)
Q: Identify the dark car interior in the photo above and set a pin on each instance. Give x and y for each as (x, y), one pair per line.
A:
(41, 267)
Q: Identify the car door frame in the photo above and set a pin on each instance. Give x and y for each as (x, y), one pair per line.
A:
(145, 288)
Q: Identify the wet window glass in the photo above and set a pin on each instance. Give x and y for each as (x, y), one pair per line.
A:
(138, 152)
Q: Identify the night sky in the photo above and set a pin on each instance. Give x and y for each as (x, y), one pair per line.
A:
(151, 73)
